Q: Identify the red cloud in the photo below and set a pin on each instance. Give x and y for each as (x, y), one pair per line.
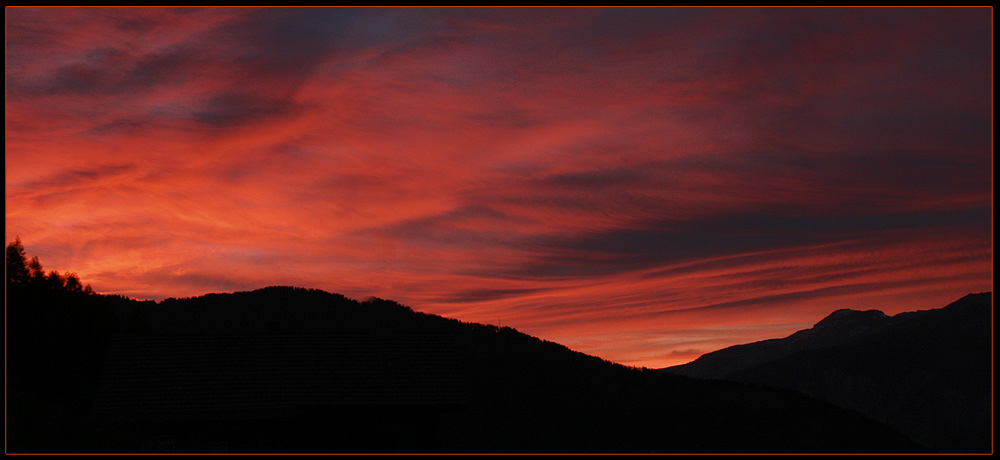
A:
(632, 183)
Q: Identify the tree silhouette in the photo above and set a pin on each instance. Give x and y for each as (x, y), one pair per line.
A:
(35, 272)
(24, 273)
(72, 283)
(17, 263)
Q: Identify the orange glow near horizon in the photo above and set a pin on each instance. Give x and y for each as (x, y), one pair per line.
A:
(643, 185)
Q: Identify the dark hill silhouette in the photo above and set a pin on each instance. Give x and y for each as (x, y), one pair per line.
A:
(286, 369)
(520, 393)
(926, 373)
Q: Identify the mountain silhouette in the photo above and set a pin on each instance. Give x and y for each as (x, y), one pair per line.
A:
(286, 369)
(926, 373)
(295, 370)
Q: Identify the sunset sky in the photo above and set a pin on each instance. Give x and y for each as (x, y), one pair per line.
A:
(643, 185)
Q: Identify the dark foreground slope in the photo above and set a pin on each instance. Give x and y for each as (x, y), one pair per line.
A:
(925, 373)
(295, 370)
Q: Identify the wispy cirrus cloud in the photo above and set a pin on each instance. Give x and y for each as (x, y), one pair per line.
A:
(641, 184)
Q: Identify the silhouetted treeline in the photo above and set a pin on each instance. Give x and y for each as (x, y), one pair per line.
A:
(57, 333)
(24, 274)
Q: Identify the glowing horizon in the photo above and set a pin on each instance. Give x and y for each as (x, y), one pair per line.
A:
(643, 185)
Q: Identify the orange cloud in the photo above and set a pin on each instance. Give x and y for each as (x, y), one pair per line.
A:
(640, 184)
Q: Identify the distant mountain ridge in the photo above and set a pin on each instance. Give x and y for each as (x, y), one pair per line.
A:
(926, 373)
(839, 327)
